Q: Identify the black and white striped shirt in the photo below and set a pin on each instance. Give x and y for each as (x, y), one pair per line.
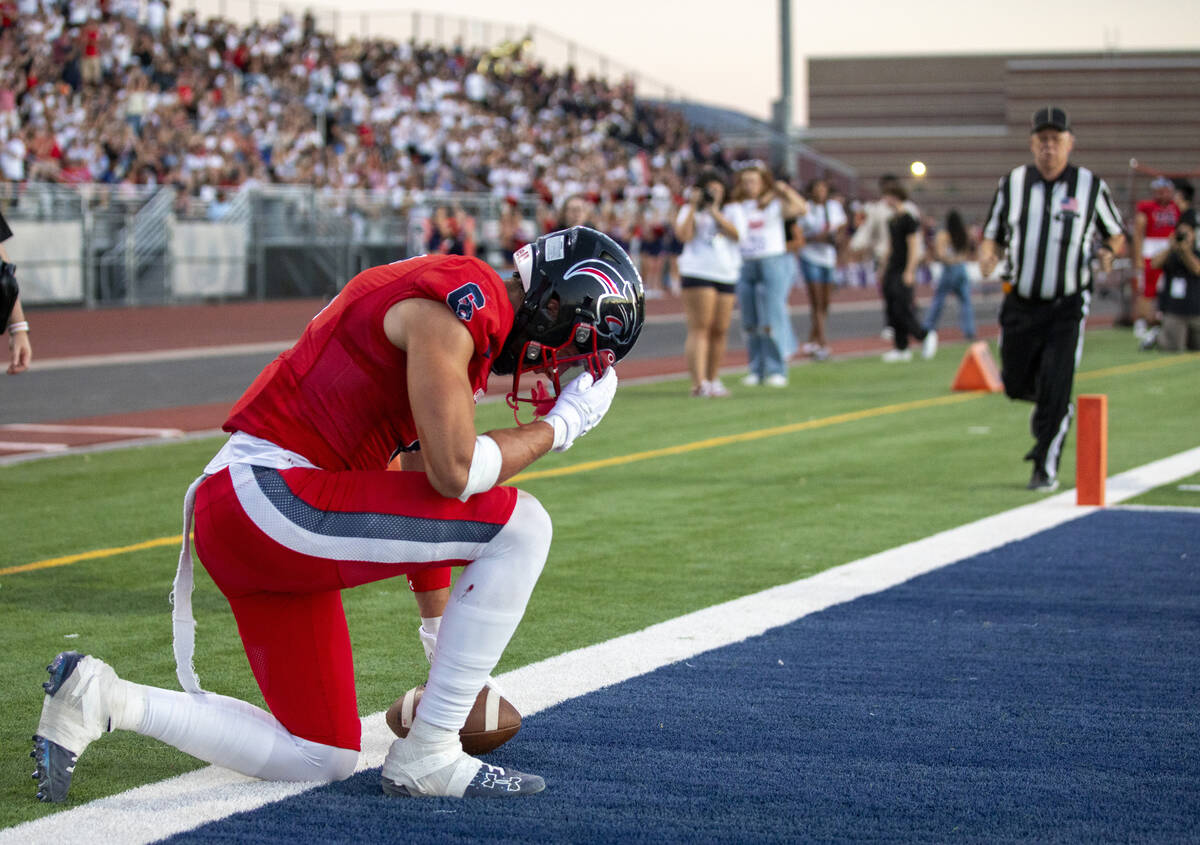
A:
(1050, 228)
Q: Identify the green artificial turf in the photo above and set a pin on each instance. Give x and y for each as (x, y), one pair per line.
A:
(1184, 493)
(712, 499)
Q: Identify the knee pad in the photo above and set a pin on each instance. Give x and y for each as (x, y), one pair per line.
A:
(528, 531)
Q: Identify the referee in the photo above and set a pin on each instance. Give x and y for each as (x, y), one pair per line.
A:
(1048, 216)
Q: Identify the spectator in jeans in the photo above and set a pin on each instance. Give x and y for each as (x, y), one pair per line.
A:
(1178, 293)
(952, 247)
(760, 205)
(822, 226)
(709, 267)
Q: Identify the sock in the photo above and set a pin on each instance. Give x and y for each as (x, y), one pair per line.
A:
(486, 605)
(431, 624)
(126, 706)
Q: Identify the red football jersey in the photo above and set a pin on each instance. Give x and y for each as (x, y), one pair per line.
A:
(339, 397)
(1160, 219)
(1160, 223)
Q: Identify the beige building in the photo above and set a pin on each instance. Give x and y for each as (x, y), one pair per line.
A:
(967, 118)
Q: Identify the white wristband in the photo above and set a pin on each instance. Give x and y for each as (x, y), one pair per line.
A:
(560, 430)
(22, 326)
(485, 467)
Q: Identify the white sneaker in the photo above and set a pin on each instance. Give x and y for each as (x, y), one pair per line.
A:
(810, 347)
(822, 353)
(776, 380)
(77, 709)
(751, 380)
(717, 390)
(893, 356)
(1139, 328)
(929, 345)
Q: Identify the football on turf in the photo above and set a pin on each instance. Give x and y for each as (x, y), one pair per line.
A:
(492, 721)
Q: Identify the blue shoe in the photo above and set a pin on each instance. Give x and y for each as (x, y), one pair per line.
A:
(410, 770)
(74, 712)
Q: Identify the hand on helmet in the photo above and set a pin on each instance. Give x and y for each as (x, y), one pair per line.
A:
(580, 406)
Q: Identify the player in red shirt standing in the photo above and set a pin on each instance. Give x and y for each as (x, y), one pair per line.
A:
(298, 505)
(1154, 224)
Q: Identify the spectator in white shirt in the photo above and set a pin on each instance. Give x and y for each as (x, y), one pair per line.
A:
(708, 266)
(760, 204)
(822, 227)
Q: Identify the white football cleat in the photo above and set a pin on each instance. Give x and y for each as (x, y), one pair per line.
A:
(412, 770)
(75, 712)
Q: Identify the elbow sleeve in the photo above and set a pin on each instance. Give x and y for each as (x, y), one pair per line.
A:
(485, 467)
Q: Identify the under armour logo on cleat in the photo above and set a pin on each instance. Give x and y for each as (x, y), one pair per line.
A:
(495, 778)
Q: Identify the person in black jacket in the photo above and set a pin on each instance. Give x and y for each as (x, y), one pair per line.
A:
(1178, 293)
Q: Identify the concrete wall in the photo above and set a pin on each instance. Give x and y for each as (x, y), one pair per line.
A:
(967, 118)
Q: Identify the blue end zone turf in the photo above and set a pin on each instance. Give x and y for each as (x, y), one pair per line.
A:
(1045, 691)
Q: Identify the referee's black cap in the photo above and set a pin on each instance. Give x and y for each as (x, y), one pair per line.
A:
(1051, 117)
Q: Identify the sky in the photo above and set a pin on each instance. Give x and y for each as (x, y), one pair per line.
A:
(727, 53)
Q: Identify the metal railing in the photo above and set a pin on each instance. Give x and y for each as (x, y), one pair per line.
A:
(293, 240)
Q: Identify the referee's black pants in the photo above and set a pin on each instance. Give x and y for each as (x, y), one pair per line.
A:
(1040, 346)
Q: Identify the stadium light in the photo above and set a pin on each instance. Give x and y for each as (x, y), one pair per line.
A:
(917, 168)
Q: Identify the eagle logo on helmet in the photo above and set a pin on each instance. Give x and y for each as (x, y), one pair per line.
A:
(617, 315)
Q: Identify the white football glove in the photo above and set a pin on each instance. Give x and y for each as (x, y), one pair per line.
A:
(580, 407)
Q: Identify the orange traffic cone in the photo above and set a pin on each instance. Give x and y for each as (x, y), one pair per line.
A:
(978, 370)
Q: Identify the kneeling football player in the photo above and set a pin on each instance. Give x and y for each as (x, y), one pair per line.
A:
(299, 505)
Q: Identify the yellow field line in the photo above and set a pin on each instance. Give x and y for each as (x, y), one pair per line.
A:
(621, 460)
(66, 560)
(1141, 366)
(744, 437)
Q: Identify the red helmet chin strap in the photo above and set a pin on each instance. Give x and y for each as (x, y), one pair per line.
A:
(551, 362)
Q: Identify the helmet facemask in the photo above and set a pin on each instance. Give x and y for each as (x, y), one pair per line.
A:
(548, 364)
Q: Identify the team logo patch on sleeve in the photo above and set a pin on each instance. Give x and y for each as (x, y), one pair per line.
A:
(465, 300)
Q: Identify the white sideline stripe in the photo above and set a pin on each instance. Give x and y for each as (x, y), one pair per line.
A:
(158, 355)
(20, 446)
(109, 446)
(123, 430)
(162, 809)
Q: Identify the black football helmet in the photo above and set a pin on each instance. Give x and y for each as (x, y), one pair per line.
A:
(584, 305)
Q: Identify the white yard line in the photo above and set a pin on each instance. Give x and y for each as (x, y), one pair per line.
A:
(37, 448)
(154, 356)
(182, 803)
(117, 430)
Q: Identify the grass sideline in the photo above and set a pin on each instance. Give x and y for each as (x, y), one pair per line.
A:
(730, 497)
(1172, 495)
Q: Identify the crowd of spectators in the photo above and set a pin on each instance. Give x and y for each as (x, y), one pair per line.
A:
(129, 94)
(123, 92)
